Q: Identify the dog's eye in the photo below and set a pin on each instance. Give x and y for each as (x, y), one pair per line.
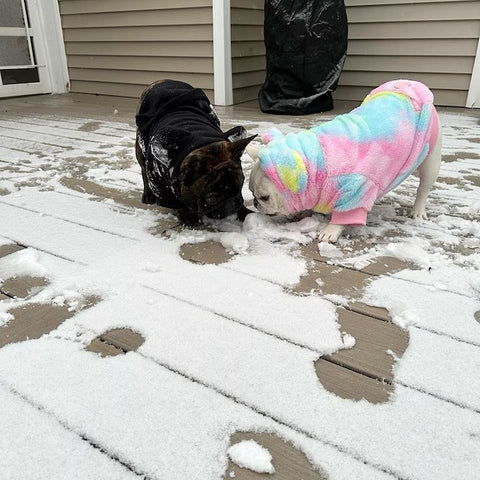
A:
(211, 200)
(265, 198)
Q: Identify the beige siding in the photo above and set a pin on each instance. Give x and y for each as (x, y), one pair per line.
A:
(248, 49)
(117, 47)
(433, 41)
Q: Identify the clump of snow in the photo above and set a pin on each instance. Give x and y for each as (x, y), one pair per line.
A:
(5, 317)
(408, 251)
(8, 186)
(73, 299)
(22, 262)
(329, 250)
(274, 229)
(249, 454)
(348, 340)
(337, 299)
(234, 242)
(307, 224)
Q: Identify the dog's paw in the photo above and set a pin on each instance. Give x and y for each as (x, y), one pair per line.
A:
(149, 198)
(419, 213)
(331, 233)
(188, 218)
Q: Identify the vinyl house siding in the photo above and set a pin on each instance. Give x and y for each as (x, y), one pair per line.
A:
(433, 41)
(248, 49)
(116, 47)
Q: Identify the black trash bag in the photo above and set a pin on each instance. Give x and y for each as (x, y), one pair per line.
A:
(306, 45)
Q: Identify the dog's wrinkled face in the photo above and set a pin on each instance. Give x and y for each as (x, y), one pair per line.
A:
(267, 199)
(211, 179)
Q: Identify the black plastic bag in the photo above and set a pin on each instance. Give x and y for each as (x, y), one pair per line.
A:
(306, 44)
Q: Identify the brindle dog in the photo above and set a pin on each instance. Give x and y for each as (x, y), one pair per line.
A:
(188, 163)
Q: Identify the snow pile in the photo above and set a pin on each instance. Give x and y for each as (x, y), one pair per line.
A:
(23, 262)
(249, 454)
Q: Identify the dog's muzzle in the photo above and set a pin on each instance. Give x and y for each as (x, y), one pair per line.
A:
(225, 208)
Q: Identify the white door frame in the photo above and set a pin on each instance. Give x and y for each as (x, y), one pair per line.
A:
(473, 97)
(49, 52)
(222, 53)
(52, 36)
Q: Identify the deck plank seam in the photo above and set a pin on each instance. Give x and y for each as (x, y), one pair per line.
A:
(275, 418)
(338, 304)
(115, 234)
(356, 309)
(86, 142)
(47, 252)
(83, 436)
(36, 142)
(310, 349)
(61, 129)
(388, 274)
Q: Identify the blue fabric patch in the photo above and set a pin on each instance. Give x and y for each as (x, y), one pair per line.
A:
(351, 188)
(375, 119)
(416, 164)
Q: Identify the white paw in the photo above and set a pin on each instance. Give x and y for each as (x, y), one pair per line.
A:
(419, 213)
(331, 233)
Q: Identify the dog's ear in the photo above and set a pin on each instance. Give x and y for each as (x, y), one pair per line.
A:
(191, 170)
(252, 151)
(237, 148)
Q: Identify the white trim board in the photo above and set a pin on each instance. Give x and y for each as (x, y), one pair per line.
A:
(52, 37)
(473, 97)
(222, 53)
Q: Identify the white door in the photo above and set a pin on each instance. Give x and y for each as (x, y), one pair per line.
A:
(23, 65)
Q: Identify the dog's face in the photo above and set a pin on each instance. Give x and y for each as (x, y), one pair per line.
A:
(211, 179)
(266, 198)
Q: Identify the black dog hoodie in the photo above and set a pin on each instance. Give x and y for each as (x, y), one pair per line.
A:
(173, 120)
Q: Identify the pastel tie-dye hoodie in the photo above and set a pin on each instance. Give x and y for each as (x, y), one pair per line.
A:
(342, 166)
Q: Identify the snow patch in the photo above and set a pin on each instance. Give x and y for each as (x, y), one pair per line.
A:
(22, 262)
(249, 454)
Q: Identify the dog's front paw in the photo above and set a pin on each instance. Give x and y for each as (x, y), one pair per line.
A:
(419, 213)
(189, 218)
(331, 233)
(149, 198)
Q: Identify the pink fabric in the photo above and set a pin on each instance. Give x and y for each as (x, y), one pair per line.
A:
(344, 165)
(357, 216)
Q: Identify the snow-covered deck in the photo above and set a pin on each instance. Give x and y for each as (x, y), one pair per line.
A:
(131, 347)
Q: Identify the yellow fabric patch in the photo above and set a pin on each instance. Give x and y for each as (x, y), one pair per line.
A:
(290, 176)
(322, 208)
(383, 93)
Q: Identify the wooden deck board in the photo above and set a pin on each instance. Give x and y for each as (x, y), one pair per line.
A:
(9, 248)
(32, 321)
(23, 286)
(287, 461)
(365, 371)
(377, 344)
